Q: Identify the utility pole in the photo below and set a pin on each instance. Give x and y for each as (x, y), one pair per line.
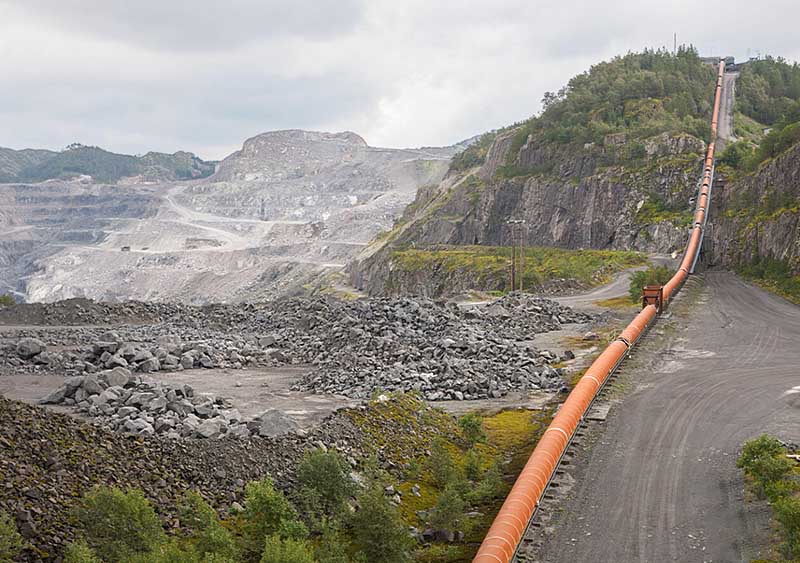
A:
(522, 232)
(515, 233)
(675, 44)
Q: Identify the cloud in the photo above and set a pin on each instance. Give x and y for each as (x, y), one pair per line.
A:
(196, 25)
(203, 76)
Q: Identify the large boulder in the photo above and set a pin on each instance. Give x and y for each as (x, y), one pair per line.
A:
(29, 347)
(117, 377)
(92, 385)
(212, 428)
(273, 423)
(55, 397)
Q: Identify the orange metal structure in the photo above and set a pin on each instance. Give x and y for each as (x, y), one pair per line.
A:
(509, 526)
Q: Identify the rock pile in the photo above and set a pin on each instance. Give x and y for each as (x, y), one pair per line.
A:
(518, 316)
(49, 460)
(141, 349)
(419, 345)
(357, 347)
(119, 400)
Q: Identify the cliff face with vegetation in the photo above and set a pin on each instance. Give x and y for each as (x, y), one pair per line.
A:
(610, 164)
(756, 221)
(757, 225)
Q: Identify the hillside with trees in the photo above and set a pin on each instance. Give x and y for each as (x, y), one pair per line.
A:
(31, 166)
(610, 163)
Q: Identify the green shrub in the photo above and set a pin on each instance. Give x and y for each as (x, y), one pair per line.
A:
(787, 513)
(119, 524)
(764, 460)
(6, 300)
(490, 486)
(206, 531)
(168, 552)
(324, 482)
(441, 465)
(737, 155)
(332, 546)
(266, 511)
(449, 510)
(10, 540)
(217, 558)
(278, 550)
(472, 426)
(378, 530)
(651, 276)
(80, 552)
(472, 465)
(766, 470)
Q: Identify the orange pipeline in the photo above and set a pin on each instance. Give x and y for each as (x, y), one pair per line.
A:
(509, 526)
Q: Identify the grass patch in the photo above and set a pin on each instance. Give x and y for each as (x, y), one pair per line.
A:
(418, 439)
(776, 276)
(621, 302)
(489, 266)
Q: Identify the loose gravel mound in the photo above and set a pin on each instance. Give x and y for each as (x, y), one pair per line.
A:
(358, 347)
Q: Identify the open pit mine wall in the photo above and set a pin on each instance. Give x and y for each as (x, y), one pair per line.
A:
(508, 528)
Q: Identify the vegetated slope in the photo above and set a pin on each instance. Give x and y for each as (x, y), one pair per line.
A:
(611, 163)
(757, 213)
(767, 99)
(103, 166)
(278, 217)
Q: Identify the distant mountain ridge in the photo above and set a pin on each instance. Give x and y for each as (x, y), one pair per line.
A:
(282, 215)
(33, 165)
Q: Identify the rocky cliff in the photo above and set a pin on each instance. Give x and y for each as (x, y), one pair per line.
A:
(568, 197)
(757, 215)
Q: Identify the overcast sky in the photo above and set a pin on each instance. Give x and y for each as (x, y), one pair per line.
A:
(202, 75)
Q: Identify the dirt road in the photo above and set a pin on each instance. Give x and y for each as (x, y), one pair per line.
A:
(660, 482)
(725, 130)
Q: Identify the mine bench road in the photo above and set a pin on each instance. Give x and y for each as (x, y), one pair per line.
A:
(661, 483)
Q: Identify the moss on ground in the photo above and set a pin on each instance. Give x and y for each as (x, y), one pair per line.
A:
(402, 429)
(489, 265)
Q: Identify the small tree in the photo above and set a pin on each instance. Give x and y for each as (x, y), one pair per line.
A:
(378, 529)
(10, 540)
(449, 510)
(119, 524)
(325, 483)
(205, 529)
(472, 426)
(80, 552)
(490, 486)
(651, 276)
(278, 550)
(332, 546)
(168, 552)
(441, 465)
(6, 300)
(472, 465)
(266, 511)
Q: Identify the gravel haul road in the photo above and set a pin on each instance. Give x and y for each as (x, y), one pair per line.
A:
(661, 483)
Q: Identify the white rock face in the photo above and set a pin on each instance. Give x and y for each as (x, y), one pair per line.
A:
(288, 209)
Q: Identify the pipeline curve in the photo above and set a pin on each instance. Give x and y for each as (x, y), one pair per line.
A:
(509, 526)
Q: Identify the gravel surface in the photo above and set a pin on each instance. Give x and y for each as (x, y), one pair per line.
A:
(659, 481)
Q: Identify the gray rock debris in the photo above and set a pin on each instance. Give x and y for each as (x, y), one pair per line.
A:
(119, 400)
(356, 347)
